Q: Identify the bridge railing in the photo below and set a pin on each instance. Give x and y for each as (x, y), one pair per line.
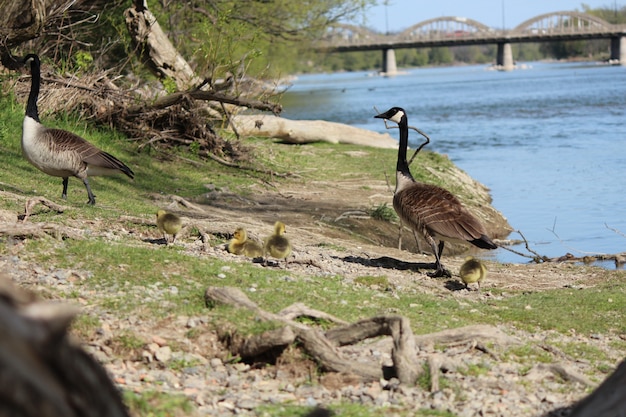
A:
(463, 29)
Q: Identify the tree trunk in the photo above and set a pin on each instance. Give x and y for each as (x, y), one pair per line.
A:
(155, 48)
(20, 21)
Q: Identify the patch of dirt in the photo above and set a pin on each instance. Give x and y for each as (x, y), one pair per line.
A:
(332, 221)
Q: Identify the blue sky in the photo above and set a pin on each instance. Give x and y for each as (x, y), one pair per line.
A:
(402, 14)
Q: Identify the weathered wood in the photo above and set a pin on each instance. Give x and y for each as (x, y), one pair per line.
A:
(259, 344)
(308, 131)
(300, 310)
(466, 334)
(361, 330)
(326, 355)
(155, 48)
(20, 21)
(38, 230)
(32, 202)
(434, 364)
(178, 97)
(313, 341)
(565, 372)
(404, 352)
(41, 372)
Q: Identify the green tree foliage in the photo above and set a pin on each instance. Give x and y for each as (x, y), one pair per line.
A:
(256, 37)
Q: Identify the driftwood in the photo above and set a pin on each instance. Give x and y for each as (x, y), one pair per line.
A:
(308, 131)
(32, 202)
(43, 374)
(323, 346)
(38, 230)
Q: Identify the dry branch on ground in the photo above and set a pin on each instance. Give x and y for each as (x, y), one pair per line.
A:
(322, 346)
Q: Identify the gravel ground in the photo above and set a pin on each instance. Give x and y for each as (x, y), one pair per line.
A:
(478, 381)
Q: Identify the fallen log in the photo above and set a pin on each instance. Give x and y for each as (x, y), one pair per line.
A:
(309, 131)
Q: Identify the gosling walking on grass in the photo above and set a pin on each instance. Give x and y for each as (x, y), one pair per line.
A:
(168, 224)
(241, 245)
(277, 245)
(472, 271)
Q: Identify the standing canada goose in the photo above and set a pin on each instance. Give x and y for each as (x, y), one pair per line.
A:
(277, 245)
(472, 271)
(241, 245)
(430, 210)
(168, 224)
(58, 152)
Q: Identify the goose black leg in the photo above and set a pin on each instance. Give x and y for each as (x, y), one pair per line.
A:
(441, 271)
(92, 198)
(64, 194)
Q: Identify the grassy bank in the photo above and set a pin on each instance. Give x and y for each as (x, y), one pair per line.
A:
(117, 260)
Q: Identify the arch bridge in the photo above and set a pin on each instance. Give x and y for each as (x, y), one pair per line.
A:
(459, 31)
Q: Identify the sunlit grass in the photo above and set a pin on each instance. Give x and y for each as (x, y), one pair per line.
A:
(155, 282)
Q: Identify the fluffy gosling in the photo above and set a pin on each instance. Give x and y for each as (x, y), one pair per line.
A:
(168, 224)
(277, 245)
(472, 271)
(241, 245)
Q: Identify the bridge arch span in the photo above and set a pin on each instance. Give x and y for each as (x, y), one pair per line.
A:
(452, 25)
(561, 22)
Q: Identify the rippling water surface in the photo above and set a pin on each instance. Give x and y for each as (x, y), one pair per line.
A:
(548, 140)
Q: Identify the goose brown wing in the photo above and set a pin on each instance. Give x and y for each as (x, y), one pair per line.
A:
(68, 141)
(437, 211)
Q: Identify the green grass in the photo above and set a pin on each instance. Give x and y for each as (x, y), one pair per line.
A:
(384, 212)
(157, 404)
(135, 271)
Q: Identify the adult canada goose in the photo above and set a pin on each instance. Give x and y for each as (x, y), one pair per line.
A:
(241, 245)
(472, 271)
(58, 152)
(168, 224)
(277, 245)
(430, 210)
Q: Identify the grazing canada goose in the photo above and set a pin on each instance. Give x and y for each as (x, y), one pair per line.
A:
(277, 245)
(472, 271)
(168, 224)
(241, 245)
(58, 152)
(430, 210)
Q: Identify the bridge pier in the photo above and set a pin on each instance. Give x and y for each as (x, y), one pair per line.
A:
(389, 62)
(504, 60)
(618, 50)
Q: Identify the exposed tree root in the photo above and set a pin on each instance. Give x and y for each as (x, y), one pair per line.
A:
(323, 346)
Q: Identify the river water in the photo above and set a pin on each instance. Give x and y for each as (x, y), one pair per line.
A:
(548, 140)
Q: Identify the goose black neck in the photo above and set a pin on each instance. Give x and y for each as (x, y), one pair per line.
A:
(31, 106)
(402, 165)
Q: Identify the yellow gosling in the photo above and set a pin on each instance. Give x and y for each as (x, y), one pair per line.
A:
(472, 271)
(277, 245)
(168, 224)
(241, 245)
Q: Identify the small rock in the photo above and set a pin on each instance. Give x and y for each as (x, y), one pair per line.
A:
(163, 354)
